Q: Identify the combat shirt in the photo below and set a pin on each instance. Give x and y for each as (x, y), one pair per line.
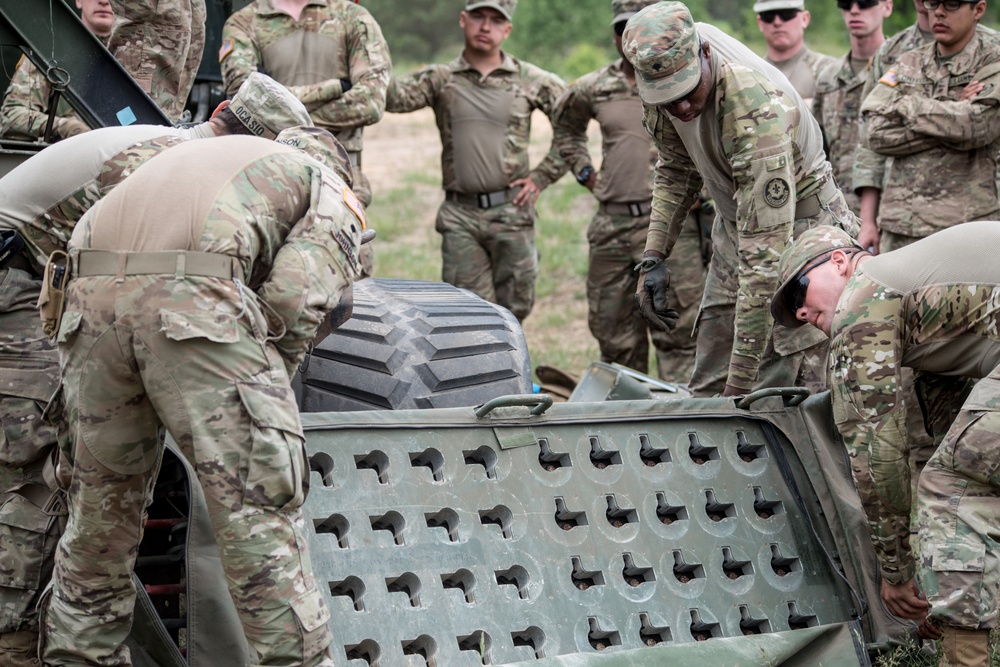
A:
(944, 151)
(759, 151)
(25, 109)
(609, 97)
(837, 108)
(803, 70)
(932, 306)
(332, 40)
(282, 215)
(484, 121)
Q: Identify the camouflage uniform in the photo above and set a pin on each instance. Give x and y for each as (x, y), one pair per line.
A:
(837, 108)
(25, 109)
(490, 249)
(616, 236)
(160, 43)
(215, 357)
(333, 41)
(803, 70)
(762, 160)
(941, 318)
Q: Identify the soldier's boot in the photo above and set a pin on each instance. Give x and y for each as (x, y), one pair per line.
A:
(966, 648)
(19, 648)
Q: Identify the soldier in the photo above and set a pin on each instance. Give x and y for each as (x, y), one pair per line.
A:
(719, 113)
(617, 234)
(160, 43)
(40, 203)
(483, 102)
(837, 105)
(784, 23)
(330, 53)
(930, 306)
(25, 109)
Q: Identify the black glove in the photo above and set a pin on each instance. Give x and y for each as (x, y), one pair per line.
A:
(345, 85)
(651, 294)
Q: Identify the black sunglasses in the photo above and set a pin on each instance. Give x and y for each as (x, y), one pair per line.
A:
(785, 14)
(846, 5)
(620, 28)
(795, 293)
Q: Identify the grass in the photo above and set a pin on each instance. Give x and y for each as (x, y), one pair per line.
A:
(912, 656)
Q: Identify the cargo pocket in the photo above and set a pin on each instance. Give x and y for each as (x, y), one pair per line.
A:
(69, 325)
(189, 324)
(953, 581)
(313, 617)
(29, 532)
(276, 468)
(773, 193)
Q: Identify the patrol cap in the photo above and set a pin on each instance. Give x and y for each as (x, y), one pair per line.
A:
(265, 107)
(320, 145)
(775, 5)
(661, 43)
(623, 10)
(810, 245)
(505, 7)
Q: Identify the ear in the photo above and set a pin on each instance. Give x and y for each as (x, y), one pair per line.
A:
(842, 261)
(887, 8)
(222, 105)
(979, 9)
(760, 24)
(805, 18)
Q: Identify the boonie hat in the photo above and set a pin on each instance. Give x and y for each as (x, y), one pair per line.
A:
(266, 107)
(320, 145)
(810, 245)
(775, 5)
(623, 10)
(661, 43)
(505, 7)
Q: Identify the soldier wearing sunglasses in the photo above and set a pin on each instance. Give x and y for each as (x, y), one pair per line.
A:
(783, 23)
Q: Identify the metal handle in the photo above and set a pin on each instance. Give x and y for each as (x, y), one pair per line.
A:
(795, 395)
(538, 403)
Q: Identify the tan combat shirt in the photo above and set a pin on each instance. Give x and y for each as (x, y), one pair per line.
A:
(802, 70)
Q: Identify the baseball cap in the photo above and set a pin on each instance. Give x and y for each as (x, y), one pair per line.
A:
(661, 43)
(320, 145)
(505, 7)
(266, 107)
(623, 10)
(775, 5)
(810, 245)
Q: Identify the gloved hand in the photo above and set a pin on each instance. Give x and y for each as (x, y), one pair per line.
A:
(651, 294)
(367, 236)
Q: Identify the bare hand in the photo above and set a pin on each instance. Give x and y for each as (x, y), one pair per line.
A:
(928, 630)
(905, 600)
(528, 194)
(971, 90)
(868, 237)
(732, 391)
(591, 182)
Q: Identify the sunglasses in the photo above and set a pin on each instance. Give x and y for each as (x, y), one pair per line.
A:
(795, 294)
(785, 14)
(949, 5)
(620, 28)
(845, 5)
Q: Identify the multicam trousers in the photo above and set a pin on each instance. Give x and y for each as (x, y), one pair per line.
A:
(146, 352)
(490, 252)
(616, 246)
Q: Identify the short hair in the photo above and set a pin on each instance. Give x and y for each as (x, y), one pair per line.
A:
(232, 124)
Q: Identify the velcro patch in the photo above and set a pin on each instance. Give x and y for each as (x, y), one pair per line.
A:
(889, 79)
(352, 203)
(226, 48)
(777, 192)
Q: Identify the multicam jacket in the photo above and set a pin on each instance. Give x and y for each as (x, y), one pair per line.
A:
(608, 96)
(332, 40)
(461, 98)
(759, 152)
(944, 151)
(837, 108)
(25, 109)
(932, 306)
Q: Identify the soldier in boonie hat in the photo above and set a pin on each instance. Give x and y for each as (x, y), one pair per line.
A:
(662, 44)
(775, 5)
(265, 107)
(505, 7)
(320, 145)
(623, 10)
(802, 256)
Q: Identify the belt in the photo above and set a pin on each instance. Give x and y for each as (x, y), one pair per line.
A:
(636, 209)
(812, 205)
(483, 199)
(178, 263)
(355, 158)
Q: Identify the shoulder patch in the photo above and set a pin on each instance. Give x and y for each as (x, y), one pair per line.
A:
(352, 203)
(776, 192)
(889, 79)
(226, 48)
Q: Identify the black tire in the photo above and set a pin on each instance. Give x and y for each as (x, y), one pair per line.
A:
(413, 344)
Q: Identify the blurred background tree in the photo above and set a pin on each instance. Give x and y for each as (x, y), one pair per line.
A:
(572, 37)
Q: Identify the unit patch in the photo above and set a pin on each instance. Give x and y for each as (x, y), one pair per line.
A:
(776, 192)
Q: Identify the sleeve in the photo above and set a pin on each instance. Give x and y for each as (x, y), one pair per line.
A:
(547, 90)
(676, 183)
(871, 418)
(757, 135)
(573, 113)
(239, 56)
(887, 130)
(315, 266)
(23, 113)
(869, 166)
(414, 91)
(370, 70)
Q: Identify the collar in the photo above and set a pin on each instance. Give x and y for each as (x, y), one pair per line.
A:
(267, 8)
(507, 64)
(963, 61)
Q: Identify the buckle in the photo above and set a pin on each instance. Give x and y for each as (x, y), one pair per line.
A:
(483, 200)
(635, 208)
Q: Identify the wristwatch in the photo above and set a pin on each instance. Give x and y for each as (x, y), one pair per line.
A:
(584, 175)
